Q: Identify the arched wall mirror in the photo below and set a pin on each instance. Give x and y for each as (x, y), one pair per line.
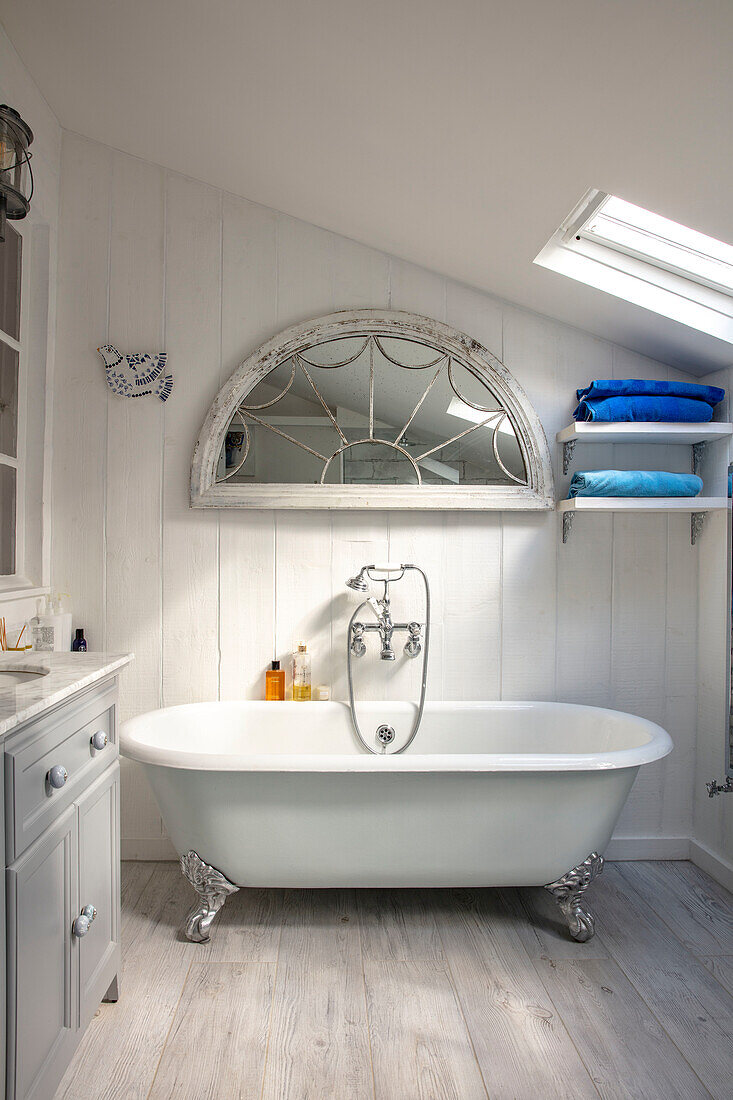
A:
(377, 409)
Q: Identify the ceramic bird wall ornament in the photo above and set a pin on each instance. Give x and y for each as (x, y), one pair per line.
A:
(136, 375)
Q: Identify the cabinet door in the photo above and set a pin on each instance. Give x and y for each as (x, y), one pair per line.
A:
(42, 976)
(99, 885)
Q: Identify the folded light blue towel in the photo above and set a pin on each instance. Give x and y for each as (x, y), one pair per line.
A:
(634, 483)
(666, 409)
(646, 387)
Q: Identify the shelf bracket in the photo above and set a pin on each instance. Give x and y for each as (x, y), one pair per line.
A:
(698, 453)
(567, 454)
(567, 524)
(697, 520)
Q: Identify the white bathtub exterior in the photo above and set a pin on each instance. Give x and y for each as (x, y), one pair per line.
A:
(488, 794)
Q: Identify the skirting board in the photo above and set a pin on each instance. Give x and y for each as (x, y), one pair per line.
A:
(715, 865)
(158, 848)
(620, 848)
(648, 847)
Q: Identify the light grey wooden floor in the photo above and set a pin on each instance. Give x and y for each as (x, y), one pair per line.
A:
(395, 994)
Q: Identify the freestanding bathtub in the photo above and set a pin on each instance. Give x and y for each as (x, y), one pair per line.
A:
(488, 794)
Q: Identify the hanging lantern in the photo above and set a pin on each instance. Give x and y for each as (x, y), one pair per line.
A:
(16, 176)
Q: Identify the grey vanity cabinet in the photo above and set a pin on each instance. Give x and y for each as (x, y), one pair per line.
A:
(99, 885)
(62, 886)
(42, 890)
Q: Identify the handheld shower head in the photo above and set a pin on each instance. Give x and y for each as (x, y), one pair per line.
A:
(358, 583)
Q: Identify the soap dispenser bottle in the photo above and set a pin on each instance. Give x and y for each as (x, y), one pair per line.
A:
(301, 674)
(275, 683)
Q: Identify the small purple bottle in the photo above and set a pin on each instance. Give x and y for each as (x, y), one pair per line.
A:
(79, 645)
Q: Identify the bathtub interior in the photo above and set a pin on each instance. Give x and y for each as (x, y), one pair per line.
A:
(244, 729)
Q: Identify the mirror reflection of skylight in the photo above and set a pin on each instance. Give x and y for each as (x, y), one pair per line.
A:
(646, 259)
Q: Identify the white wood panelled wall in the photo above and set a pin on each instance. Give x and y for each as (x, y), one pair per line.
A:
(151, 259)
(713, 817)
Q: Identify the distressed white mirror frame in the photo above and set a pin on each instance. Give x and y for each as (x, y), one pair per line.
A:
(537, 493)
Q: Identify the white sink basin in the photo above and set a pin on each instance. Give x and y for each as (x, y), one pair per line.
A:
(16, 677)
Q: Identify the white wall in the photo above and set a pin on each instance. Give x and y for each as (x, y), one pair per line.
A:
(150, 259)
(39, 232)
(713, 817)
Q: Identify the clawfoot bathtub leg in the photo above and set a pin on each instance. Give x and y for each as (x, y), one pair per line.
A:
(568, 893)
(212, 888)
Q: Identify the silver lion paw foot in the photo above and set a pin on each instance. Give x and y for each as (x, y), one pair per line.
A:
(212, 888)
(568, 892)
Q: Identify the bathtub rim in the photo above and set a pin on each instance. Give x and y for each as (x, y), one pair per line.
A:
(658, 746)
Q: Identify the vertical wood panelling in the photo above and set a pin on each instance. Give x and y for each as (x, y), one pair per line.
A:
(638, 676)
(190, 539)
(472, 608)
(532, 352)
(80, 397)
(304, 576)
(246, 539)
(358, 538)
(134, 463)
(584, 562)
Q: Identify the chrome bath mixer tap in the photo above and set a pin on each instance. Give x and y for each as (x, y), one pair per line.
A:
(385, 627)
(382, 611)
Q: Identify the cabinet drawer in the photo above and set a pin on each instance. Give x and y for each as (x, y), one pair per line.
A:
(63, 738)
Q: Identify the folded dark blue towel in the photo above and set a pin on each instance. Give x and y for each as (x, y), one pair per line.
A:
(643, 387)
(634, 483)
(665, 409)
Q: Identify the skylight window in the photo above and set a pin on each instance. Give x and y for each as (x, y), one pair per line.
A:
(646, 259)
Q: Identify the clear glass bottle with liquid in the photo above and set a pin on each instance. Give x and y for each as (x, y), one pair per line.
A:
(301, 674)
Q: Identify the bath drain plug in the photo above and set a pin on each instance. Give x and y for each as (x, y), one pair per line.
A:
(385, 734)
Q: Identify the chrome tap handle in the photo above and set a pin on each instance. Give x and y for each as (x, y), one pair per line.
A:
(358, 645)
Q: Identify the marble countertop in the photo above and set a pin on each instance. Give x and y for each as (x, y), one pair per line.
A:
(66, 674)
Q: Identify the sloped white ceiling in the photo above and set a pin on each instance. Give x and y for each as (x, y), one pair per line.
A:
(454, 133)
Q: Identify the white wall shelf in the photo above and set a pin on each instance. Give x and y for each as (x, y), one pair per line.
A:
(697, 507)
(696, 436)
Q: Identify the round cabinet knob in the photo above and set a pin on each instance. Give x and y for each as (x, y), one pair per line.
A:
(57, 776)
(82, 923)
(99, 739)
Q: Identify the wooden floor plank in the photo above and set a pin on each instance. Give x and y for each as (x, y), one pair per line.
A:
(697, 909)
(135, 877)
(420, 1045)
(398, 925)
(217, 1044)
(319, 1042)
(721, 966)
(694, 1009)
(248, 927)
(320, 924)
(522, 1045)
(628, 1054)
(542, 928)
(120, 1051)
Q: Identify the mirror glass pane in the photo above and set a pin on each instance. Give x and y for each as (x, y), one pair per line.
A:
(10, 266)
(7, 520)
(8, 400)
(372, 410)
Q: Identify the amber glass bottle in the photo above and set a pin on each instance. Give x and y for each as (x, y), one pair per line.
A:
(275, 683)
